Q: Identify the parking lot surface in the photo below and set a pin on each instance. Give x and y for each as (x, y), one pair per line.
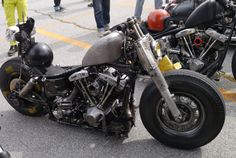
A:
(70, 34)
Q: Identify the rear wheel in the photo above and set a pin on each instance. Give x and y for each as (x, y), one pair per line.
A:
(199, 102)
(11, 83)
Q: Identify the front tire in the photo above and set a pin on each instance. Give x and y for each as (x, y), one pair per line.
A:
(199, 103)
(9, 72)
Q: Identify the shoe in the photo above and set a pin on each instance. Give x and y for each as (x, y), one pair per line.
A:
(107, 27)
(138, 19)
(59, 9)
(103, 33)
(12, 50)
(90, 5)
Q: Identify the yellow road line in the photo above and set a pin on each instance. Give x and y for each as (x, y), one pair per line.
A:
(59, 37)
(1, 39)
(228, 95)
(228, 76)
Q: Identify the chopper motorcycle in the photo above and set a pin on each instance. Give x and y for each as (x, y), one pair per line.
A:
(181, 109)
(201, 44)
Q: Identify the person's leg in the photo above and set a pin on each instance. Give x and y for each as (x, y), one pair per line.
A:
(138, 9)
(57, 3)
(57, 6)
(106, 13)
(158, 4)
(9, 9)
(21, 6)
(98, 14)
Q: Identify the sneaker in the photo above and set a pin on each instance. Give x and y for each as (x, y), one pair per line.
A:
(90, 5)
(107, 27)
(103, 33)
(59, 9)
(138, 19)
(12, 50)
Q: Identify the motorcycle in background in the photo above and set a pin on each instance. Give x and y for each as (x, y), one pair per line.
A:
(182, 108)
(201, 43)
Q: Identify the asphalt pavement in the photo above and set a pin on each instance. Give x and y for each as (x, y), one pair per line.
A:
(70, 34)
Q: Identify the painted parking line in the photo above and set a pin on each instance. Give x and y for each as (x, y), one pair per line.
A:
(228, 76)
(228, 95)
(59, 37)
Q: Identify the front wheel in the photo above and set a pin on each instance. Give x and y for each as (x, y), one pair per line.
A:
(199, 102)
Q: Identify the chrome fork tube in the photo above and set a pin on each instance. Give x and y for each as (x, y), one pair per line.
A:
(148, 61)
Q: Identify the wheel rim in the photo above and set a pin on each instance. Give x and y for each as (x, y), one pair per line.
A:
(191, 109)
(15, 86)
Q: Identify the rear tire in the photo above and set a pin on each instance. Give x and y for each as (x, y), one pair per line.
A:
(199, 102)
(9, 71)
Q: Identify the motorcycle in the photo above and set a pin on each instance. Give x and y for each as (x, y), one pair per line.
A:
(181, 109)
(201, 44)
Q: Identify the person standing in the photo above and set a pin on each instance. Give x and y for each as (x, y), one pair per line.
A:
(9, 8)
(139, 7)
(57, 6)
(102, 16)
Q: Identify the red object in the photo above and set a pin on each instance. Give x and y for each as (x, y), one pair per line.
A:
(156, 19)
(198, 41)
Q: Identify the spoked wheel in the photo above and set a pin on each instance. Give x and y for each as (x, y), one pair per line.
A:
(200, 104)
(11, 83)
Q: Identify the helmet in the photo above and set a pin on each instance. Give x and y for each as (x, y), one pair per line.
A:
(156, 19)
(39, 55)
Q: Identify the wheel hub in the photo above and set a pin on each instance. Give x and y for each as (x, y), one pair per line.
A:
(190, 111)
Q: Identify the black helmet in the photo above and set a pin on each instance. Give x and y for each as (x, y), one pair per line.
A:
(39, 55)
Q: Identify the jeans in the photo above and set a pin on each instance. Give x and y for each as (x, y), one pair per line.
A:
(139, 7)
(57, 3)
(101, 13)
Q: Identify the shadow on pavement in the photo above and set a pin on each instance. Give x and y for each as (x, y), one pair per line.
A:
(40, 137)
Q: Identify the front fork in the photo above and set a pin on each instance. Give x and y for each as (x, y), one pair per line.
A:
(148, 61)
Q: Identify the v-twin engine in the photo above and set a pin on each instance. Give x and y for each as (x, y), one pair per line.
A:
(99, 95)
(196, 48)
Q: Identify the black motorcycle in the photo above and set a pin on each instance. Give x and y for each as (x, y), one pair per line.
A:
(181, 109)
(201, 44)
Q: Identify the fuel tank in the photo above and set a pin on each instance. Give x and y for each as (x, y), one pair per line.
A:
(204, 14)
(182, 11)
(106, 50)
